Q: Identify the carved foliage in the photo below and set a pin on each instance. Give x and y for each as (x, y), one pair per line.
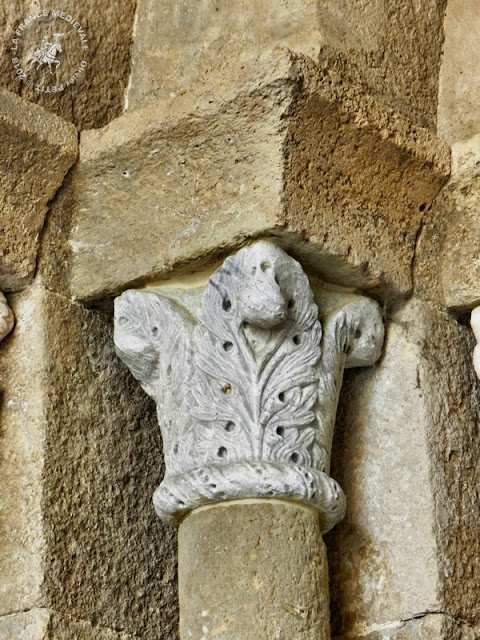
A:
(246, 399)
(257, 343)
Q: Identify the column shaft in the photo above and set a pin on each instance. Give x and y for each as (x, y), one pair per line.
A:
(253, 570)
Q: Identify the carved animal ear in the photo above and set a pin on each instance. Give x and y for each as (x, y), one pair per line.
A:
(149, 331)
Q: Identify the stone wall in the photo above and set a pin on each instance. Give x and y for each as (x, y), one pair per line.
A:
(346, 133)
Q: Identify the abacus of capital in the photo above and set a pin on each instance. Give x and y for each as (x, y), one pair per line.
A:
(246, 389)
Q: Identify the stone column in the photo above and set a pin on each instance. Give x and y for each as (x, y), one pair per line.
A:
(246, 395)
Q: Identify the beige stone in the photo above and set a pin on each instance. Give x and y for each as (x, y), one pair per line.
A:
(251, 570)
(459, 92)
(293, 153)
(81, 456)
(22, 541)
(25, 625)
(38, 148)
(447, 265)
(405, 455)
(99, 97)
(202, 47)
(430, 627)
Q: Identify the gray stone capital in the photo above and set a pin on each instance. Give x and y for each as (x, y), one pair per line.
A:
(247, 390)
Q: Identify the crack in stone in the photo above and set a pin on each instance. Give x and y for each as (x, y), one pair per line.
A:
(358, 634)
(122, 633)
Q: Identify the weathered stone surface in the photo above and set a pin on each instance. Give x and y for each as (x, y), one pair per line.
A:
(202, 47)
(459, 91)
(65, 628)
(247, 389)
(447, 265)
(253, 570)
(99, 96)
(406, 451)
(38, 148)
(81, 456)
(429, 627)
(22, 542)
(26, 625)
(294, 153)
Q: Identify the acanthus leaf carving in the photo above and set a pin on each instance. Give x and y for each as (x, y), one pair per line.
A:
(247, 395)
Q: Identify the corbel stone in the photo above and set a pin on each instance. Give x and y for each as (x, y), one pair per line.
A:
(247, 390)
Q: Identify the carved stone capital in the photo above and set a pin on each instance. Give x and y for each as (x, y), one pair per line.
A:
(7, 319)
(247, 391)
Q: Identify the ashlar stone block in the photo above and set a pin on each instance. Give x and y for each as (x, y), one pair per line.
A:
(406, 455)
(447, 265)
(290, 152)
(80, 456)
(38, 148)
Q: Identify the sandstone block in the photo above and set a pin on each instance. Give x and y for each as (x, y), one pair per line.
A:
(38, 148)
(291, 154)
(80, 458)
(406, 450)
(200, 48)
(447, 268)
(22, 541)
(98, 96)
(253, 570)
(459, 92)
(26, 625)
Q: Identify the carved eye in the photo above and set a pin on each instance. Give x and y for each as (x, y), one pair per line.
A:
(230, 426)
(281, 396)
(227, 346)
(222, 452)
(280, 431)
(226, 304)
(296, 339)
(295, 457)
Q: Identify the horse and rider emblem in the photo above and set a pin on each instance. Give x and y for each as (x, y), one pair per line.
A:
(47, 54)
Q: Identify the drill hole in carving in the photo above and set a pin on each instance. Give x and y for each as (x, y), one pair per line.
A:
(358, 334)
(295, 457)
(154, 331)
(291, 303)
(230, 426)
(281, 431)
(226, 304)
(296, 340)
(222, 452)
(227, 346)
(281, 396)
(227, 388)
